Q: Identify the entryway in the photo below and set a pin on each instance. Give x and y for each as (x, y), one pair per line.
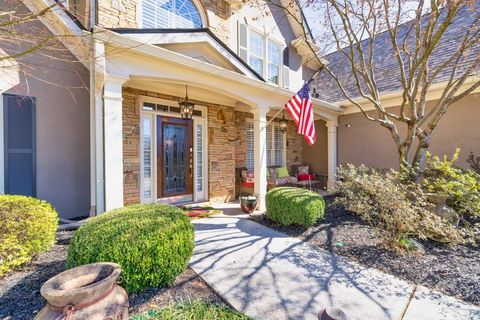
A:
(173, 153)
(175, 158)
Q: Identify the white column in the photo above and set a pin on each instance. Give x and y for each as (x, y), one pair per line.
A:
(98, 183)
(2, 147)
(260, 154)
(113, 142)
(332, 153)
(97, 79)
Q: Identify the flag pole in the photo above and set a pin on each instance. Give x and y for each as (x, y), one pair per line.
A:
(276, 114)
(283, 108)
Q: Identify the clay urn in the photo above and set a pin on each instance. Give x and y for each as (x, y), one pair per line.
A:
(85, 292)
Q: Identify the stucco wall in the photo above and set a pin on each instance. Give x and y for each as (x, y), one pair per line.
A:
(316, 156)
(59, 86)
(369, 143)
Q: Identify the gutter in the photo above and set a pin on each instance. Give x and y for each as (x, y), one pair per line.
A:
(197, 30)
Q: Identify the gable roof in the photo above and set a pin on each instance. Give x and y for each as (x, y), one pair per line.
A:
(161, 36)
(386, 65)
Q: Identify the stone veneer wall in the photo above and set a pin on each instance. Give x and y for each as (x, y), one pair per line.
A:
(221, 140)
(131, 145)
(221, 153)
(123, 14)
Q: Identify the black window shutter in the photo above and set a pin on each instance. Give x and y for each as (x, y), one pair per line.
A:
(286, 57)
(20, 153)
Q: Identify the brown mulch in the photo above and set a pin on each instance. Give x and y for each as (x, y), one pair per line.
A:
(20, 297)
(454, 271)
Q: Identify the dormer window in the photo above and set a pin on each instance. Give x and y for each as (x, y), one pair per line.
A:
(170, 14)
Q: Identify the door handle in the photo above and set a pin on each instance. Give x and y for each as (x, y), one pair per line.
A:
(191, 161)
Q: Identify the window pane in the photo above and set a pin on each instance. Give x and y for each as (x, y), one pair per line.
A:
(273, 69)
(170, 14)
(273, 53)
(199, 158)
(278, 145)
(249, 137)
(257, 44)
(256, 51)
(147, 161)
(273, 73)
(256, 64)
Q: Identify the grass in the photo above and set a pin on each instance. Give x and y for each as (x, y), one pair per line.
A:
(195, 310)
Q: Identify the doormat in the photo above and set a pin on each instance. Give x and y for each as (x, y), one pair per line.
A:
(201, 212)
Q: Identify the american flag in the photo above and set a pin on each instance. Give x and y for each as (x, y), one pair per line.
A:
(300, 109)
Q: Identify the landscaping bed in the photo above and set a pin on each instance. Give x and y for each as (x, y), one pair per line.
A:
(453, 270)
(20, 297)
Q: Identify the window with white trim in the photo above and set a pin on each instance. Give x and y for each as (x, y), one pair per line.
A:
(276, 152)
(263, 54)
(170, 14)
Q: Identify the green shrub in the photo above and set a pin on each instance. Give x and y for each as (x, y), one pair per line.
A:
(152, 243)
(395, 209)
(462, 186)
(27, 227)
(195, 310)
(288, 205)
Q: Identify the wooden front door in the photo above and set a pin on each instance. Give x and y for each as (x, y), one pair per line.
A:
(174, 157)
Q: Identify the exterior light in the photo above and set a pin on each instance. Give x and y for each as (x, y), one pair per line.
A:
(283, 124)
(186, 106)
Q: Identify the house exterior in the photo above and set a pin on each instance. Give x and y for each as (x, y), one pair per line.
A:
(240, 64)
(105, 128)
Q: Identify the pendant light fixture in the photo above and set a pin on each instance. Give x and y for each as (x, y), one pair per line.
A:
(186, 106)
(283, 123)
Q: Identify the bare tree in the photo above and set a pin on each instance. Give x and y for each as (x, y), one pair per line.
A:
(425, 50)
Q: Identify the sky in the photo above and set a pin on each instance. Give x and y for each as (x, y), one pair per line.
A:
(315, 15)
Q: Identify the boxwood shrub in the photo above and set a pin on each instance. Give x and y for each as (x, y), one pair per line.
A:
(152, 243)
(289, 205)
(27, 227)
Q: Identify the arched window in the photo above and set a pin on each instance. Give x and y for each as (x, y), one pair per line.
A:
(170, 14)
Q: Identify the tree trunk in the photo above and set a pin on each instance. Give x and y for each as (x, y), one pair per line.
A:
(403, 162)
(421, 155)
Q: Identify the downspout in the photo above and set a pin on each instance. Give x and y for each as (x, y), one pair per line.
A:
(93, 156)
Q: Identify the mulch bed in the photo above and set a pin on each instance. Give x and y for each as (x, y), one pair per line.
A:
(454, 271)
(20, 297)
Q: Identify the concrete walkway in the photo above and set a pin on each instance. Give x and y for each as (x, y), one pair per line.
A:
(269, 275)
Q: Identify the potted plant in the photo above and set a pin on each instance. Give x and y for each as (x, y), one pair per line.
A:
(248, 203)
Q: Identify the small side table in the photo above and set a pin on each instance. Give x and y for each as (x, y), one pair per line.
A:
(307, 184)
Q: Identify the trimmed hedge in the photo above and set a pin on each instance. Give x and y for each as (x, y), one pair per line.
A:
(152, 243)
(289, 205)
(27, 227)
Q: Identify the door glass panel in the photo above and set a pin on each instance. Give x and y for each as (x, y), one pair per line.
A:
(199, 158)
(147, 159)
(174, 159)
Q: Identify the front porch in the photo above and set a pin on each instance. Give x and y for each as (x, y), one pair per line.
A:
(139, 100)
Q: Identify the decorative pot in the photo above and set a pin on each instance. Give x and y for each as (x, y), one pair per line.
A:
(248, 203)
(86, 292)
(441, 209)
(332, 314)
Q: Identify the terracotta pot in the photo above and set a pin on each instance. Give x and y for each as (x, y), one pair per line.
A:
(248, 205)
(86, 292)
